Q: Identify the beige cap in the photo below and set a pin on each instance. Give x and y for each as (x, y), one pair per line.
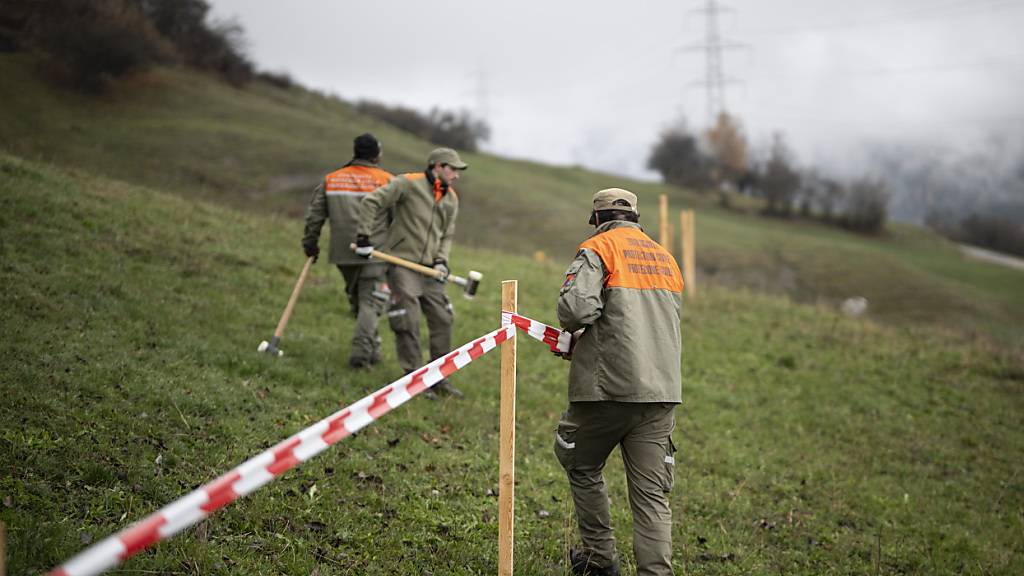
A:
(615, 199)
(446, 156)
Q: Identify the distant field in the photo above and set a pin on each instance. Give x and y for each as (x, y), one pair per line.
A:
(810, 443)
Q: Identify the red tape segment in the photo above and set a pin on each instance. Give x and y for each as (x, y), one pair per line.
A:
(557, 340)
(259, 470)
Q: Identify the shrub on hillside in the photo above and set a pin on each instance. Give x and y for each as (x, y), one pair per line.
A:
(97, 40)
(281, 80)
(400, 117)
(993, 232)
(778, 178)
(866, 206)
(459, 130)
(14, 23)
(678, 158)
(983, 230)
(217, 46)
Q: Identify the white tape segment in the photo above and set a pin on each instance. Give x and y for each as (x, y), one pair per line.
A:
(255, 472)
(557, 340)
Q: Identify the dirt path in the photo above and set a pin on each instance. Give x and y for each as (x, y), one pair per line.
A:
(993, 257)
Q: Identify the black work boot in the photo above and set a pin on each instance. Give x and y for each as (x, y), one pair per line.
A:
(445, 388)
(583, 564)
(376, 356)
(358, 363)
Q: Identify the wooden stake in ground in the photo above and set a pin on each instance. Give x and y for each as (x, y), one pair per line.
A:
(507, 434)
(687, 239)
(663, 237)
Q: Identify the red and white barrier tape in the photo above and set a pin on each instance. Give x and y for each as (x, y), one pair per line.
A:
(557, 340)
(260, 470)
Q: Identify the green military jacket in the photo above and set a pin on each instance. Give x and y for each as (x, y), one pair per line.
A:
(423, 218)
(337, 198)
(623, 290)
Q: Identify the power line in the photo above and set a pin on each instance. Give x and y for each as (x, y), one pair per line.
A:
(816, 119)
(996, 63)
(913, 15)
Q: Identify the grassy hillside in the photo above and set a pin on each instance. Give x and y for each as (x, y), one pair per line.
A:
(810, 443)
(263, 148)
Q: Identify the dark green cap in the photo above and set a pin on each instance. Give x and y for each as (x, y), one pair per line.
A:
(446, 156)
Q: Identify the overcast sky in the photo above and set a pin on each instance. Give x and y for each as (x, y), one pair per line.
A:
(593, 82)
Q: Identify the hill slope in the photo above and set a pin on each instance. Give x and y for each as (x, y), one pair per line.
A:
(810, 443)
(263, 148)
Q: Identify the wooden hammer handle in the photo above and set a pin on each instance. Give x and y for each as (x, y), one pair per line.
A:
(425, 270)
(294, 297)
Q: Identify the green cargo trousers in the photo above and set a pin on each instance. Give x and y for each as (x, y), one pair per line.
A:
(413, 295)
(586, 435)
(361, 284)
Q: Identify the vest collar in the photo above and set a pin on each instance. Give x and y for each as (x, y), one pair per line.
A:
(439, 187)
(606, 226)
(361, 162)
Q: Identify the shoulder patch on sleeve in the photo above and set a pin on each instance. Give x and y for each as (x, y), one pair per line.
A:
(570, 274)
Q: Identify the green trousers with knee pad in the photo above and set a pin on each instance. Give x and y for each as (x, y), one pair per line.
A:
(363, 284)
(414, 295)
(586, 435)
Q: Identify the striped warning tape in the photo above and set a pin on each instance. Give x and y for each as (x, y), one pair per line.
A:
(557, 340)
(260, 470)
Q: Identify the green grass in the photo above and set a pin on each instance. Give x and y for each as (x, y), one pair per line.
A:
(810, 443)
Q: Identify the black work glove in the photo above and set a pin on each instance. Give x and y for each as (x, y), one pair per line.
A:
(441, 265)
(363, 246)
(312, 250)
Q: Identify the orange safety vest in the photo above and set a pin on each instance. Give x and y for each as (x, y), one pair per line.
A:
(355, 180)
(632, 260)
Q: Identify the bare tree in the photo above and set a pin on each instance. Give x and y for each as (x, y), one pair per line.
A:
(866, 207)
(831, 195)
(728, 147)
(779, 179)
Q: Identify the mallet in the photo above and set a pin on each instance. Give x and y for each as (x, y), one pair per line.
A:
(271, 347)
(469, 285)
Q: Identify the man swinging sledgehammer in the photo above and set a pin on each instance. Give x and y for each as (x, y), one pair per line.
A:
(623, 293)
(423, 208)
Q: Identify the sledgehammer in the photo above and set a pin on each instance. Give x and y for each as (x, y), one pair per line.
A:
(271, 347)
(469, 284)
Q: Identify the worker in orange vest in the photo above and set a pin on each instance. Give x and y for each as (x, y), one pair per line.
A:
(621, 298)
(337, 199)
(423, 207)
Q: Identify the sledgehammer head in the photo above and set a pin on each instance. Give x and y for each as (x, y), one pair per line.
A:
(270, 348)
(472, 283)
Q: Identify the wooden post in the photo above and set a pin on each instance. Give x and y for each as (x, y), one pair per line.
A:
(507, 434)
(663, 237)
(687, 239)
(3, 550)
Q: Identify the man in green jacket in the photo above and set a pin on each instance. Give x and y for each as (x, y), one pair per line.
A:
(423, 208)
(621, 298)
(337, 198)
